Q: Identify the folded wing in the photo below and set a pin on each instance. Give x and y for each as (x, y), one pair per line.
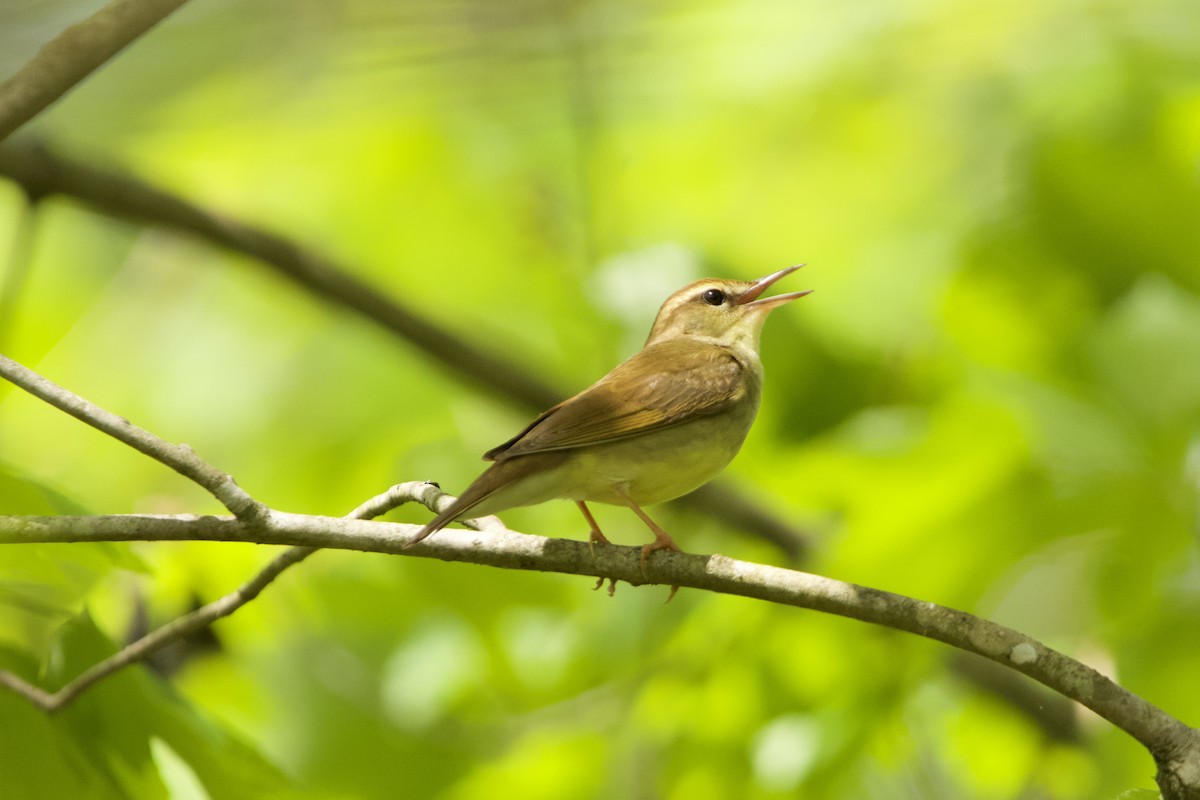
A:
(663, 385)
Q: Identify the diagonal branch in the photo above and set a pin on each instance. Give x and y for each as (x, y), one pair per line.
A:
(178, 457)
(40, 173)
(73, 55)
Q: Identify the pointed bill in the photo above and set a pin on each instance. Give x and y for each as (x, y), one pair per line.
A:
(750, 296)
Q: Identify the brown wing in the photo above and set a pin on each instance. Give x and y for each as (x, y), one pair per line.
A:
(663, 385)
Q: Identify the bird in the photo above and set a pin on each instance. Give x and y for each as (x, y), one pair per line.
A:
(659, 425)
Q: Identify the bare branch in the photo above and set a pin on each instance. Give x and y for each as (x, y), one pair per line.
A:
(178, 457)
(73, 55)
(1174, 745)
(206, 615)
(40, 172)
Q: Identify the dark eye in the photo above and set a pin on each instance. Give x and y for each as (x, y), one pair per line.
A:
(714, 297)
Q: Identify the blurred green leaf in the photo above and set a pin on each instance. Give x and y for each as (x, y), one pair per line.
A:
(42, 586)
(104, 744)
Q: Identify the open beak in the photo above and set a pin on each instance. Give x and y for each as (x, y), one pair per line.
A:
(750, 296)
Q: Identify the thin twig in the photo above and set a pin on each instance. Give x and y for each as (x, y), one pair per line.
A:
(73, 55)
(40, 172)
(180, 458)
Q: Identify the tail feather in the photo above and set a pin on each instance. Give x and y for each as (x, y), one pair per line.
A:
(502, 475)
(452, 512)
(475, 494)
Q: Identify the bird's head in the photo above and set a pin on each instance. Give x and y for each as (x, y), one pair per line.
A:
(726, 311)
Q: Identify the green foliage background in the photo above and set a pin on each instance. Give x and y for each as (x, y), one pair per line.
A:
(992, 400)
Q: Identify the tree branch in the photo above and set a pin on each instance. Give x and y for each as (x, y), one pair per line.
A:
(180, 458)
(1174, 745)
(206, 615)
(73, 55)
(40, 173)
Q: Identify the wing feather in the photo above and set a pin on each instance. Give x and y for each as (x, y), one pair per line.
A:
(663, 385)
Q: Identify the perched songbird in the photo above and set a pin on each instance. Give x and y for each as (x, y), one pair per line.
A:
(658, 426)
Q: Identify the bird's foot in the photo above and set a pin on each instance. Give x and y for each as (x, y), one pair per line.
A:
(612, 585)
(662, 541)
(596, 537)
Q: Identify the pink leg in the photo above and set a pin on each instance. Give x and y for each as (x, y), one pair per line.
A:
(662, 539)
(596, 536)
